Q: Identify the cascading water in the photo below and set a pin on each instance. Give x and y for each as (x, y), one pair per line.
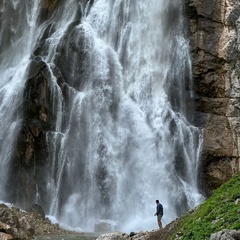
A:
(121, 137)
(18, 36)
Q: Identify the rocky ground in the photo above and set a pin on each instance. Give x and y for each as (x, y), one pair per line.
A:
(218, 218)
(163, 235)
(18, 224)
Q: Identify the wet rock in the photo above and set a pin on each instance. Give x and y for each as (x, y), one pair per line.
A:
(31, 151)
(48, 7)
(38, 209)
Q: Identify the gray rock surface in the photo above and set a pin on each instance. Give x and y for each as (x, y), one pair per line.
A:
(215, 38)
(226, 235)
(22, 225)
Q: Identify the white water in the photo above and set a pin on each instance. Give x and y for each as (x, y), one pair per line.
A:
(18, 36)
(123, 144)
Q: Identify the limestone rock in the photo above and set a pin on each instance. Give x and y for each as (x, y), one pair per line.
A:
(38, 209)
(12, 226)
(219, 173)
(143, 235)
(22, 225)
(113, 236)
(8, 217)
(218, 136)
(215, 39)
(5, 236)
(4, 227)
(226, 235)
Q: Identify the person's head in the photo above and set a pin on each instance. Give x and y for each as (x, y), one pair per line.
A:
(157, 201)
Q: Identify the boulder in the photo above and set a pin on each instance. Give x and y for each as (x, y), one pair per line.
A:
(12, 225)
(19, 233)
(4, 227)
(5, 236)
(8, 217)
(38, 209)
(143, 235)
(226, 235)
(113, 236)
(22, 225)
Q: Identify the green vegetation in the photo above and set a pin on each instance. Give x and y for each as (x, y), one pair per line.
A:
(221, 211)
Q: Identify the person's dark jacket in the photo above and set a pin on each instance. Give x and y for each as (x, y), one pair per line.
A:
(159, 209)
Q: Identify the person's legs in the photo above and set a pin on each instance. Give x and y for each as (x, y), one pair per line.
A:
(159, 221)
(160, 224)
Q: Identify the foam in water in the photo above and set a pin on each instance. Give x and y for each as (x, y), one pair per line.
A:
(127, 139)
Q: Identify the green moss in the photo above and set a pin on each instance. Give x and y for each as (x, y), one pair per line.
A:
(220, 211)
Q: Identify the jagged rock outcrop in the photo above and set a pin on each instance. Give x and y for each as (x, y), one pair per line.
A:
(214, 31)
(12, 227)
(31, 151)
(21, 225)
(226, 235)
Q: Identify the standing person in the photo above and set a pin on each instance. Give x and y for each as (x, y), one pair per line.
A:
(159, 213)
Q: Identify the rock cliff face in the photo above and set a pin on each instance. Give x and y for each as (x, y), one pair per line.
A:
(214, 30)
(31, 150)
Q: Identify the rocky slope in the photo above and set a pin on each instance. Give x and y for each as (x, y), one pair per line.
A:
(217, 219)
(22, 225)
(214, 31)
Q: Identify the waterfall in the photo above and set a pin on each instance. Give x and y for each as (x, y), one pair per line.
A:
(18, 36)
(118, 75)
